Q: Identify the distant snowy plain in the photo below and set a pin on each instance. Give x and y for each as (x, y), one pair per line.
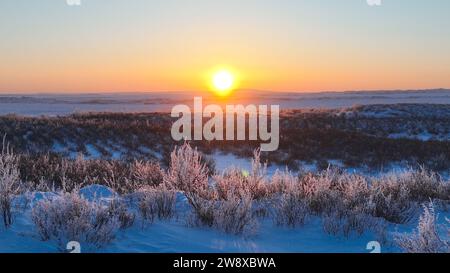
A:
(63, 104)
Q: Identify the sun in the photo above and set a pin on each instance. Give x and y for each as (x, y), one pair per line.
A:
(223, 82)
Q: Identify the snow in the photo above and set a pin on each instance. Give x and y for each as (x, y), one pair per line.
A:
(176, 236)
(39, 196)
(423, 136)
(92, 151)
(63, 104)
(22, 238)
(94, 192)
(227, 161)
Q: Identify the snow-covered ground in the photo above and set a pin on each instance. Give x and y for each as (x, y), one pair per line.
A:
(176, 236)
(226, 161)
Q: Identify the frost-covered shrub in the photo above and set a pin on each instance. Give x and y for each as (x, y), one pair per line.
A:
(333, 183)
(317, 190)
(283, 182)
(346, 223)
(290, 207)
(393, 208)
(232, 180)
(119, 209)
(256, 180)
(139, 174)
(204, 214)
(395, 196)
(9, 183)
(69, 217)
(146, 173)
(234, 214)
(66, 173)
(426, 239)
(188, 174)
(391, 200)
(251, 183)
(331, 224)
(209, 162)
(325, 201)
(157, 203)
(448, 228)
(423, 185)
(290, 210)
(340, 198)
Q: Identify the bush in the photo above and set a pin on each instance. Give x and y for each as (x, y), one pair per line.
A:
(317, 190)
(392, 200)
(125, 218)
(395, 196)
(291, 210)
(146, 173)
(188, 174)
(347, 223)
(234, 215)
(158, 203)
(9, 183)
(232, 180)
(204, 215)
(426, 239)
(67, 174)
(283, 182)
(423, 185)
(238, 181)
(257, 179)
(69, 217)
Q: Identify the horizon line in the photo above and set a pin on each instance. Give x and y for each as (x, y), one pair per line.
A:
(18, 93)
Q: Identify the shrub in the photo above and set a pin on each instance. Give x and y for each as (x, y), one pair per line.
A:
(72, 218)
(257, 179)
(291, 210)
(204, 214)
(318, 191)
(391, 200)
(159, 202)
(118, 209)
(234, 215)
(146, 173)
(395, 196)
(426, 238)
(9, 183)
(347, 223)
(67, 174)
(238, 181)
(283, 182)
(423, 185)
(232, 180)
(188, 174)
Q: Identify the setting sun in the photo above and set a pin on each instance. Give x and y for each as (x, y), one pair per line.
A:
(223, 82)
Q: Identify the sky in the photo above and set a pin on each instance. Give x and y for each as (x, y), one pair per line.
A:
(175, 45)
